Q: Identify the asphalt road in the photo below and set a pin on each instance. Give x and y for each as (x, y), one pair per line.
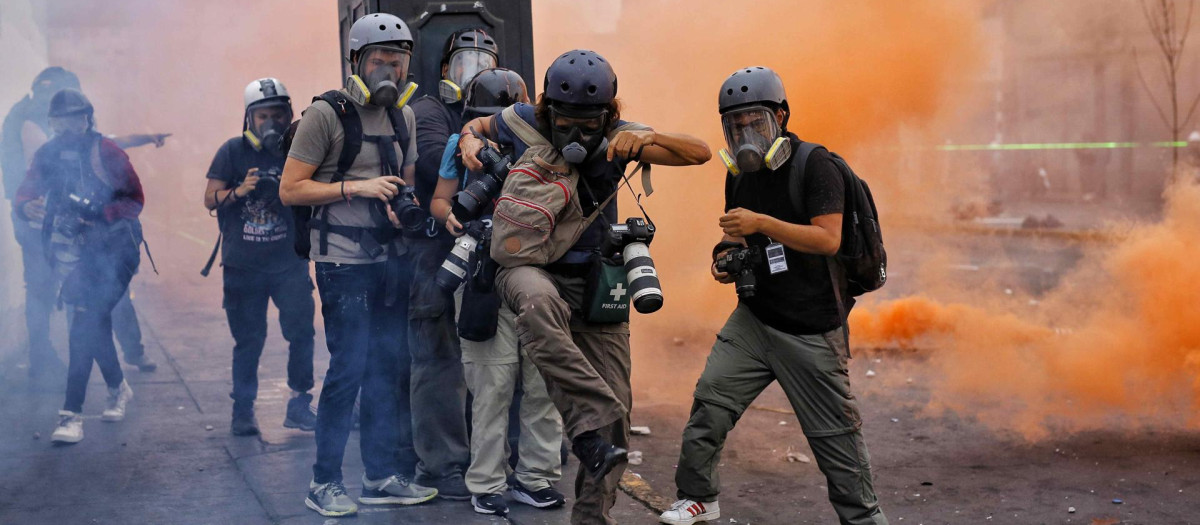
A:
(173, 460)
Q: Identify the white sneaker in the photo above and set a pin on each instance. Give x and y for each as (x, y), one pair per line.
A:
(70, 428)
(117, 398)
(687, 512)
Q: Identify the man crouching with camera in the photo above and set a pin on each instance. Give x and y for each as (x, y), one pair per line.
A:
(787, 325)
(258, 236)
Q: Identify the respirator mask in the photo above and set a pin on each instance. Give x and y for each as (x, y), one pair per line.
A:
(578, 132)
(755, 140)
(381, 87)
(462, 67)
(269, 134)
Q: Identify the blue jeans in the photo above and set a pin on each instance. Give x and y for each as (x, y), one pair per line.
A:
(92, 289)
(368, 349)
(247, 293)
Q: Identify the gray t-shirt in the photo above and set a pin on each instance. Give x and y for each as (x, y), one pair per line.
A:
(318, 141)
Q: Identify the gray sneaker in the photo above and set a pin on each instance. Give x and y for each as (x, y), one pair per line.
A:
(330, 499)
(394, 490)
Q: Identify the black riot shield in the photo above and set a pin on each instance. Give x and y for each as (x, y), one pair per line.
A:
(510, 22)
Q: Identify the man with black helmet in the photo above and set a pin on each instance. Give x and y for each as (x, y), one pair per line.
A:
(577, 123)
(352, 159)
(787, 326)
(258, 256)
(92, 238)
(438, 391)
(26, 128)
(491, 358)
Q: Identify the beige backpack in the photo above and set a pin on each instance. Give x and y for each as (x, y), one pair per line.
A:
(538, 216)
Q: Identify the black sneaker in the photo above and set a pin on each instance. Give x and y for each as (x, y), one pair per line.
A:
(489, 504)
(547, 498)
(300, 413)
(243, 423)
(596, 455)
(143, 363)
(451, 487)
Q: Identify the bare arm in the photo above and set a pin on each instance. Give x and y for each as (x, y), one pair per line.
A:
(216, 194)
(668, 149)
(441, 204)
(722, 277)
(469, 144)
(135, 140)
(823, 237)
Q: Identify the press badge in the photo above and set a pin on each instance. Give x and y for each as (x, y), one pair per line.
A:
(776, 260)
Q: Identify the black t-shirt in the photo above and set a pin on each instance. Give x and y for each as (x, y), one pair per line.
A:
(800, 300)
(259, 231)
(436, 121)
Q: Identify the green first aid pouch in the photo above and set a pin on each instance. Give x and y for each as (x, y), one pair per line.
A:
(606, 296)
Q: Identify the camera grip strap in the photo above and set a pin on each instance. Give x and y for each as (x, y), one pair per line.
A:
(643, 167)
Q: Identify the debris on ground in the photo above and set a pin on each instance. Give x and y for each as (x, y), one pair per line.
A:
(639, 431)
(678, 341)
(796, 457)
(635, 457)
(926, 483)
(783, 423)
(1071, 510)
(37, 435)
(1117, 501)
(895, 420)
(208, 427)
(870, 373)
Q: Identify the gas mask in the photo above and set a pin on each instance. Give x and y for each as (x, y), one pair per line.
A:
(462, 67)
(578, 133)
(268, 135)
(755, 141)
(381, 86)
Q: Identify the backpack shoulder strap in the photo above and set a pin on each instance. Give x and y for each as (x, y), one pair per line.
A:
(527, 133)
(351, 126)
(796, 178)
(400, 126)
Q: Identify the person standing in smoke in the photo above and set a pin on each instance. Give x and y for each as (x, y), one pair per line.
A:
(26, 128)
(259, 258)
(586, 365)
(787, 326)
(492, 360)
(347, 159)
(438, 390)
(92, 236)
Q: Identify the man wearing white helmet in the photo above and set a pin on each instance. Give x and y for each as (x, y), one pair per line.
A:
(260, 265)
(352, 161)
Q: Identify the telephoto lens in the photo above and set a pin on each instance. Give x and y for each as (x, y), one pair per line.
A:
(484, 187)
(454, 269)
(632, 239)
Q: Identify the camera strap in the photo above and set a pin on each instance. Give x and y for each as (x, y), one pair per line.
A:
(642, 167)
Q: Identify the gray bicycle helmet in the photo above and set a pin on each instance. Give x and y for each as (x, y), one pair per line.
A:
(377, 29)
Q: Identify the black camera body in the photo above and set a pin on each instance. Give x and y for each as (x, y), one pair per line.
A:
(741, 263)
(267, 186)
(413, 219)
(632, 240)
(471, 200)
(75, 212)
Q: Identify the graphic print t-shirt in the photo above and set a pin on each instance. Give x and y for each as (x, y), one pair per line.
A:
(258, 230)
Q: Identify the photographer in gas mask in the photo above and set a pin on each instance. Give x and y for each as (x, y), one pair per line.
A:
(92, 238)
(492, 361)
(260, 264)
(352, 161)
(777, 241)
(575, 140)
(438, 391)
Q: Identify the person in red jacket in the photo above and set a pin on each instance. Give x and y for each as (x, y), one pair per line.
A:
(85, 192)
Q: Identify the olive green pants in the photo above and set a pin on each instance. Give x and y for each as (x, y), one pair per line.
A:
(811, 369)
(586, 367)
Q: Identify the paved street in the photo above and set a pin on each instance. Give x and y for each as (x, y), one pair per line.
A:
(164, 464)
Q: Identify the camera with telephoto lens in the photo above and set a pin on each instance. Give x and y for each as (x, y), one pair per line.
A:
(477, 236)
(740, 263)
(76, 211)
(482, 189)
(404, 205)
(632, 240)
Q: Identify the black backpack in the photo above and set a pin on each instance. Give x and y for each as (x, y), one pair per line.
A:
(351, 145)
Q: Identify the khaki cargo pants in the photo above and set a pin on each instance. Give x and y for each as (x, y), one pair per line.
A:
(493, 368)
(746, 358)
(586, 368)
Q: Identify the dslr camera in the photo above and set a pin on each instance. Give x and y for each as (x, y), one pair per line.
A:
(75, 212)
(471, 200)
(632, 240)
(267, 186)
(412, 218)
(740, 263)
(477, 236)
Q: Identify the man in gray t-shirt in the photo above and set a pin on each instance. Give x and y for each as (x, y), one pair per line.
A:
(363, 288)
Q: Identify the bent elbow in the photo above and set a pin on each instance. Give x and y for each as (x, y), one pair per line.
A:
(832, 247)
(285, 195)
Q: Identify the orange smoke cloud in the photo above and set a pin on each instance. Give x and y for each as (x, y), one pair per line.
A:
(1133, 358)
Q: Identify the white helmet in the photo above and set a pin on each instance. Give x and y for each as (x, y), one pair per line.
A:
(266, 91)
